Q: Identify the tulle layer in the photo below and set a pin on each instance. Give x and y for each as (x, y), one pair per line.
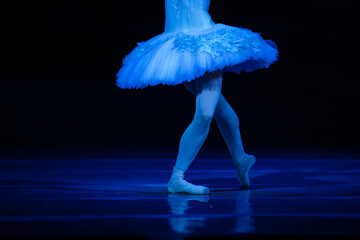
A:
(173, 58)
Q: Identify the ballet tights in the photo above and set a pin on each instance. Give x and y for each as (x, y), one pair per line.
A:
(208, 90)
(209, 103)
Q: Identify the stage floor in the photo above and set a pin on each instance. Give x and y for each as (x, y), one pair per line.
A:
(123, 197)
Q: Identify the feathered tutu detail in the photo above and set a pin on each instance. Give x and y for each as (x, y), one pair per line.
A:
(175, 57)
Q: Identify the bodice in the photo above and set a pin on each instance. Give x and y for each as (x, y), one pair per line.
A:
(187, 15)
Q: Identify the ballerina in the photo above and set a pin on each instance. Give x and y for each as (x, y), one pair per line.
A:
(195, 51)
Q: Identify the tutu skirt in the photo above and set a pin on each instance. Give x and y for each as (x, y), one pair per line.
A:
(172, 58)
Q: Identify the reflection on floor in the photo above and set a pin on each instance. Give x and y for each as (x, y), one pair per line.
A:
(127, 198)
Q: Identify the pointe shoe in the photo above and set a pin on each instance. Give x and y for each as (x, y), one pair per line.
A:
(243, 167)
(182, 186)
(177, 184)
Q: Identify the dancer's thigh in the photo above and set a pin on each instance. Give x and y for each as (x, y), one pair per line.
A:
(191, 86)
(222, 104)
(208, 91)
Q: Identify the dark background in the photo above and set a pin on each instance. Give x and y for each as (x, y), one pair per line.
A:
(60, 58)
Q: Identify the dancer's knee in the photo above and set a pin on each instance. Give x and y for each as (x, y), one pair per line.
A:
(206, 115)
(203, 120)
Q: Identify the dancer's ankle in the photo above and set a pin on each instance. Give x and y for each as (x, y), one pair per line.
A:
(177, 173)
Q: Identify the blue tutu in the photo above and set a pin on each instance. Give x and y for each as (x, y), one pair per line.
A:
(191, 45)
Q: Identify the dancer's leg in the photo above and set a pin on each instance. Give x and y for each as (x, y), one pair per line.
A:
(208, 90)
(228, 123)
